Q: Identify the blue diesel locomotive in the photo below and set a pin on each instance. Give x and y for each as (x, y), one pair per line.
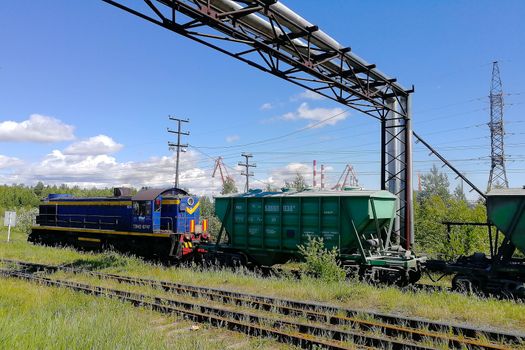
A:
(154, 223)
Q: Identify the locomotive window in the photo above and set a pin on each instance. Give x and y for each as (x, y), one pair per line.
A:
(142, 208)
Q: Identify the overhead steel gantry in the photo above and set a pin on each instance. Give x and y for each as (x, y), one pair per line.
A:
(269, 36)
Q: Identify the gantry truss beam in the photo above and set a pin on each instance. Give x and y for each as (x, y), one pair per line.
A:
(267, 35)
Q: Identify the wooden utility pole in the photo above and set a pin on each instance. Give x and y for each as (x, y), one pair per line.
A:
(247, 167)
(178, 146)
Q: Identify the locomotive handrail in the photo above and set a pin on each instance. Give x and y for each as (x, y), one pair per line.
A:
(87, 222)
(55, 219)
(170, 219)
(104, 216)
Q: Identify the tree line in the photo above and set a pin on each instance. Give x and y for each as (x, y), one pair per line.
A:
(434, 205)
(21, 196)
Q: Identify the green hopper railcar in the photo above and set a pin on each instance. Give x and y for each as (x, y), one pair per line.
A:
(503, 272)
(266, 228)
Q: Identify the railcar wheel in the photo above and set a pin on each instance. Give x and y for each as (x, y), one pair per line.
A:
(414, 276)
(519, 291)
(465, 284)
(238, 260)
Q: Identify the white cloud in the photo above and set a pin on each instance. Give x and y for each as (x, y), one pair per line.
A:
(266, 106)
(232, 138)
(307, 95)
(95, 145)
(316, 115)
(106, 171)
(38, 128)
(9, 162)
(103, 170)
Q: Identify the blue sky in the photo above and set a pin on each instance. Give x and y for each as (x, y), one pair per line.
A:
(87, 89)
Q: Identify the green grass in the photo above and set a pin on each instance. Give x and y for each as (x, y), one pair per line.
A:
(38, 317)
(444, 306)
(19, 248)
(35, 317)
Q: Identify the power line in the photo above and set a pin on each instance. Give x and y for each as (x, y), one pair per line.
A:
(440, 107)
(278, 137)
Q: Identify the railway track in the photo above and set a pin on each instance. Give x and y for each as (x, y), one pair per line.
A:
(300, 334)
(415, 333)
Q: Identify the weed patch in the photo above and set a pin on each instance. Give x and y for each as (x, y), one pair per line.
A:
(321, 262)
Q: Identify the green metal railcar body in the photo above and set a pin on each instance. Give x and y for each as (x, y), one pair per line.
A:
(503, 271)
(506, 210)
(268, 227)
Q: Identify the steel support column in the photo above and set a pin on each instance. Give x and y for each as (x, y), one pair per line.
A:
(409, 192)
(396, 165)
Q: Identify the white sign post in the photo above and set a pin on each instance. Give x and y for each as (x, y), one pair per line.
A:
(9, 220)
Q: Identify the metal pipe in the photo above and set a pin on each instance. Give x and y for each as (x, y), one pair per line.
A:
(409, 193)
(291, 20)
(323, 40)
(448, 164)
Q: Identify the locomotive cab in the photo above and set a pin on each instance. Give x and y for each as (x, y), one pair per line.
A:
(146, 211)
(146, 215)
(157, 210)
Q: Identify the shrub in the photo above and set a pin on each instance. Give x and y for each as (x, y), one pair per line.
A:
(320, 261)
(25, 218)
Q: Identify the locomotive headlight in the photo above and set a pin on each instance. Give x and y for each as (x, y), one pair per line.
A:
(191, 201)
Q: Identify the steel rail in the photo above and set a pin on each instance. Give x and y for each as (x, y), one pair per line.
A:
(301, 334)
(414, 329)
(255, 302)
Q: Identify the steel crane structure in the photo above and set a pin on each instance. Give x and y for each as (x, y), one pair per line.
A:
(348, 177)
(223, 171)
(269, 36)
